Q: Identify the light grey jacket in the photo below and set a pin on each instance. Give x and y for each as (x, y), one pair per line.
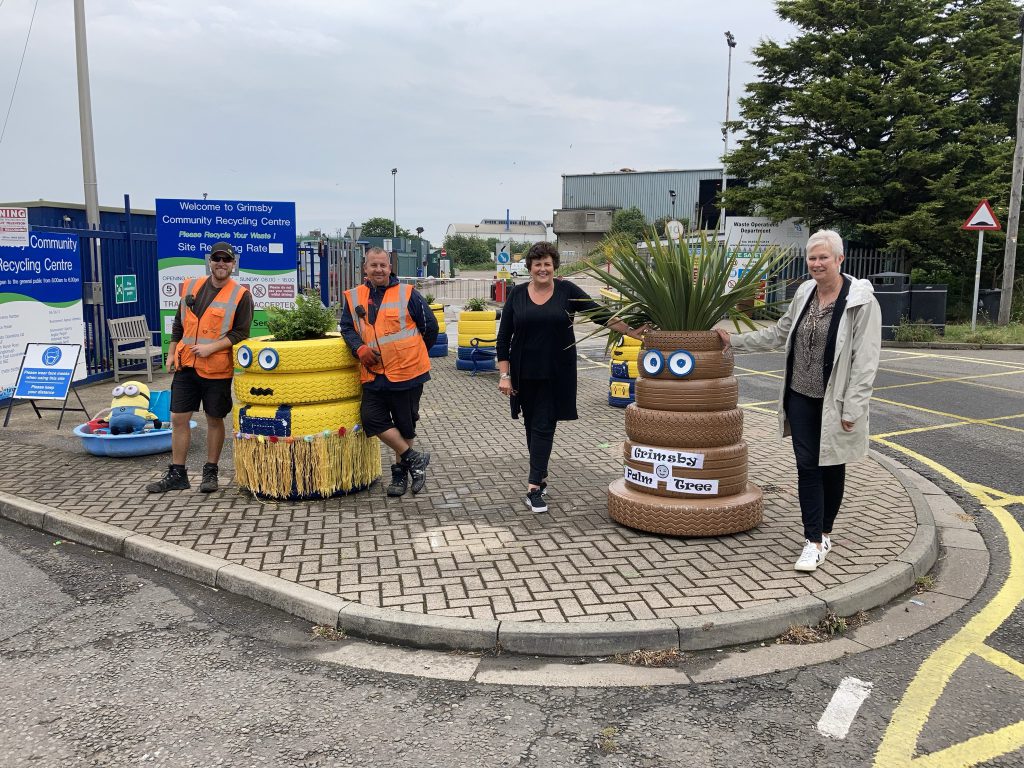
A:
(848, 390)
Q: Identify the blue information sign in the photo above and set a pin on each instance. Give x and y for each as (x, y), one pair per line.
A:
(261, 232)
(40, 300)
(46, 371)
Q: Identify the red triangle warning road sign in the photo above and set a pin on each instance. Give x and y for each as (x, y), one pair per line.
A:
(983, 218)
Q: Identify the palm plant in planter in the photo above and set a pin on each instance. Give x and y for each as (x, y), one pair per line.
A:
(685, 467)
(297, 395)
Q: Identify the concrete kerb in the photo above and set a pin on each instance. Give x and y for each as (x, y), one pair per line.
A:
(428, 631)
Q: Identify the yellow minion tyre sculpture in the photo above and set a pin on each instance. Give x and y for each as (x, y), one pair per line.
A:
(263, 354)
(293, 388)
(296, 420)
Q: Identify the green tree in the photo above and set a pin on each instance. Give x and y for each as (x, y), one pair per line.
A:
(464, 250)
(630, 222)
(379, 226)
(885, 119)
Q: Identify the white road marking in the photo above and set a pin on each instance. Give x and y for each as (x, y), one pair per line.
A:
(838, 716)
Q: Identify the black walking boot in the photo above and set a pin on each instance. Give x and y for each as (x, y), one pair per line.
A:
(209, 484)
(176, 479)
(399, 481)
(416, 463)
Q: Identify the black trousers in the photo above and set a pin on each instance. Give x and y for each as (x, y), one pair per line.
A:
(820, 489)
(538, 403)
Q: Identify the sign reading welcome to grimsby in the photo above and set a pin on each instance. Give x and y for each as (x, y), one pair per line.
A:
(263, 233)
(40, 300)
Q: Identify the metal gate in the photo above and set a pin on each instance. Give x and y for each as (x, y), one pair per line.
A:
(119, 253)
(330, 267)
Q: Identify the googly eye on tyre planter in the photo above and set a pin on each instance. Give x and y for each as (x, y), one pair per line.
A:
(244, 356)
(653, 362)
(268, 358)
(680, 363)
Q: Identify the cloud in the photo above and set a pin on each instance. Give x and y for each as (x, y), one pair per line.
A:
(481, 106)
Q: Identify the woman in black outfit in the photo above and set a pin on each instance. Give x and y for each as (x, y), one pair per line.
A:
(537, 357)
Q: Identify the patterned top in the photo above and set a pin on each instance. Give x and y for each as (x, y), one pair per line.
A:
(809, 350)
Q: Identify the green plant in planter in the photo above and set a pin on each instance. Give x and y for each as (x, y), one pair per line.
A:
(686, 397)
(429, 298)
(309, 319)
(681, 285)
(475, 305)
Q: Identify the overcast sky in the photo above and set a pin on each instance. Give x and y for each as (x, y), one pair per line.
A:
(480, 105)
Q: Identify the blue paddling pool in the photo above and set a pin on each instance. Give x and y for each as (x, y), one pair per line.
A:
(102, 443)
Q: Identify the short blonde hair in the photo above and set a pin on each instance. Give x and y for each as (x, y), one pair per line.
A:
(829, 238)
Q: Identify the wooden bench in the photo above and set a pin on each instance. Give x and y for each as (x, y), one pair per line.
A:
(132, 340)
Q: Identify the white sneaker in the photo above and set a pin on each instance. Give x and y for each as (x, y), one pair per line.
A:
(810, 558)
(826, 546)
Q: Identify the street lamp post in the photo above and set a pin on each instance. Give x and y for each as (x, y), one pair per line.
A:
(394, 204)
(353, 233)
(730, 41)
(672, 195)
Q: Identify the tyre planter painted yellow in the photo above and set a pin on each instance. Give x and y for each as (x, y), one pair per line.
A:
(621, 384)
(438, 310)
(296, 420)
(478, 333)
(685, 469)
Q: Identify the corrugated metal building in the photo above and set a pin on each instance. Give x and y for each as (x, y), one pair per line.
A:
(647, 190)
(519, 230)
(48, 213)
(589, 200)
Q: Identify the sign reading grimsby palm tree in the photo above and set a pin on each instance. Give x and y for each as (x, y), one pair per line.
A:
(685, 469)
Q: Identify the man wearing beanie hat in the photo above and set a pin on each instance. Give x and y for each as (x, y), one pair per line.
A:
(214, 314)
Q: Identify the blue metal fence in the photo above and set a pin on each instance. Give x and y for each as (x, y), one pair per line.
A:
(117, 253)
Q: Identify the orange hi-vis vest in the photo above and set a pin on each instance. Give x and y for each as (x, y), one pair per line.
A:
(394, 334)
(212, 326)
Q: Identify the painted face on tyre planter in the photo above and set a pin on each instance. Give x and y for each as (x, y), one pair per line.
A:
(296, 419)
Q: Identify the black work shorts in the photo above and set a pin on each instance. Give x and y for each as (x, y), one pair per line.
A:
(189, 390)
(383, 409)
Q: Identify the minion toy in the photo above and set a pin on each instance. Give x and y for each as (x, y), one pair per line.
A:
(129, 409)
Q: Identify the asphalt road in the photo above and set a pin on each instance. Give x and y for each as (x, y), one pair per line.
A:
(109, 663)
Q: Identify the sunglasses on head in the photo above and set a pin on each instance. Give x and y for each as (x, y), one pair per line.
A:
(221, 257)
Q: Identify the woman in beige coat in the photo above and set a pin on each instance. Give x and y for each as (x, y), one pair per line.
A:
(832, 337)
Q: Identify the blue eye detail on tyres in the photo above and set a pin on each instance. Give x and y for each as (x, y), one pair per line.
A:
(244, 356)
(680, 363)
(653, 362)
(268, 359)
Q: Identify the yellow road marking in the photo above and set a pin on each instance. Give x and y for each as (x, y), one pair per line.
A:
(899, 743)
(979, 360)
(969, 380)
(987, 422)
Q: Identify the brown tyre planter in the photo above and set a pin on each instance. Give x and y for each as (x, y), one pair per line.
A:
(685, 395)
(731, 481)
(724, 458)
(694, 341)
(685, 517)
(706, 429)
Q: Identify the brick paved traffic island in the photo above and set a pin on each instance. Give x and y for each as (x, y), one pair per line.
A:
(467, 547)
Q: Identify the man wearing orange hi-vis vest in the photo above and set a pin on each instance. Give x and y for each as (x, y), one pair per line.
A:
(214, 314)
(389, 327)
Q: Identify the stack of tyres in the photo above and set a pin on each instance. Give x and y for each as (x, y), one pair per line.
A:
(685, 470)
(622, 384)
(296, 419)
(440, 348)
(478, 339)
